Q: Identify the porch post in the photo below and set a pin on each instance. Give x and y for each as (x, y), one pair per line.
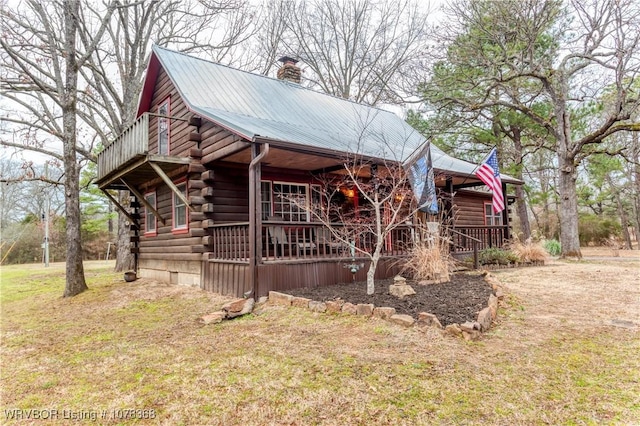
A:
(255, 215)
(505, 214)
(449, 213)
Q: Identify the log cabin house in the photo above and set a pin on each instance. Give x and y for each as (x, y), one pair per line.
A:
(215, 155)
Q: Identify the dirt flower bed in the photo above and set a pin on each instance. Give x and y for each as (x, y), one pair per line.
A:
(456, 301)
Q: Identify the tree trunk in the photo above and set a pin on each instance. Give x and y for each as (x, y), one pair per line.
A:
(521, 202)
(371, 273)
(624, 220)
(75, 282)
(569, 235)
(124, 257)
(636, 184)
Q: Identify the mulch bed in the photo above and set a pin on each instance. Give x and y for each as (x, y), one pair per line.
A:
(456, 301)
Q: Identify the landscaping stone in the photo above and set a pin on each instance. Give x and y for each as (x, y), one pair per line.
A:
(263, 299)
(280, 298)
(402, 319)
(316, 306)
(334, 306)
(493, 306)
(300, 302)
(484, 319)
(213, 318)
(453, 330)
(238, 307)
(401, 290)
(470, 326)
(349, 308)
(500, 294)
(384, 312)
(399, 280)
(426, 319)
(364, 309)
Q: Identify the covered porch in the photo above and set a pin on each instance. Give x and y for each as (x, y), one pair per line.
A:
(301, 254)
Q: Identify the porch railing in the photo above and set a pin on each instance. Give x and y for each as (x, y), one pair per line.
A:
(304, 240)
(133, 142)
(484, 236)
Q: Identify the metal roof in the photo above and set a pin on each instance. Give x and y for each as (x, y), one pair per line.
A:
(253, 105)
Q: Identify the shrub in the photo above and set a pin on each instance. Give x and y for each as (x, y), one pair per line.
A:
(553, 247)
(493, 256)
(597, 230)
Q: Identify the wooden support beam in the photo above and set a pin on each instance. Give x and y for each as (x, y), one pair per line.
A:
(170, 184)
(195, 137)
(207, 191)
(196, 216)
(196, 184)
(195, 153)
(209, 223)
(199, 249)
(196, 167)
(122, 209)
(196, 200)
(207, 208)
(197, 232)
(226, 151)
(208, 176)
(140, 197)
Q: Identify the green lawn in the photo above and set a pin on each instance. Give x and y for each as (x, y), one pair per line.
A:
(139, 346)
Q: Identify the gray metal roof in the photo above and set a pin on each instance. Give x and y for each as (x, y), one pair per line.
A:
(253, 105)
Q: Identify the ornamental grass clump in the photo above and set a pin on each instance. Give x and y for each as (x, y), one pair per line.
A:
(529, 251)
(430, 259)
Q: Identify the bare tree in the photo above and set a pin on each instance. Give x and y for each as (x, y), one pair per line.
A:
(42, 58)
(366, 51)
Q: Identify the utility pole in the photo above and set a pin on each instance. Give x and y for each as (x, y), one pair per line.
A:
(47, 207)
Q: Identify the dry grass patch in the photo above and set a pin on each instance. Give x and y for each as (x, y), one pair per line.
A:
(140, 345)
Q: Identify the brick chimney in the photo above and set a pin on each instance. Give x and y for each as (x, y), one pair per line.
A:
(289, 71)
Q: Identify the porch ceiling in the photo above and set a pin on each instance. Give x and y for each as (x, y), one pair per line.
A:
(282, 158)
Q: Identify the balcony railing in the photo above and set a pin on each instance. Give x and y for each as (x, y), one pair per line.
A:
(132, 143)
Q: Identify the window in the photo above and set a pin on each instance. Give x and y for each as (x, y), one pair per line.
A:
(163, 128)
(290, 201)
(490, 218)
(150, 220)
(265, 190)
(180, 208)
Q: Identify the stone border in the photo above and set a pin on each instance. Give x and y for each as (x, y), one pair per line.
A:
(469, 330)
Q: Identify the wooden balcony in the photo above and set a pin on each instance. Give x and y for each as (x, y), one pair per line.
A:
(132, 144)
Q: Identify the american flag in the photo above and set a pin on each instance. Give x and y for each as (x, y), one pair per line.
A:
(489, 174)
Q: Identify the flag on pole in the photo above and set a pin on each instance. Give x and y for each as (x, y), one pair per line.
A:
(421, 177)
(489, 174)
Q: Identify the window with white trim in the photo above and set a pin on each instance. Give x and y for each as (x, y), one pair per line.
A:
(491, 218)
(163, 128)
(150, 221)
(180, 208)
(291, 201)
